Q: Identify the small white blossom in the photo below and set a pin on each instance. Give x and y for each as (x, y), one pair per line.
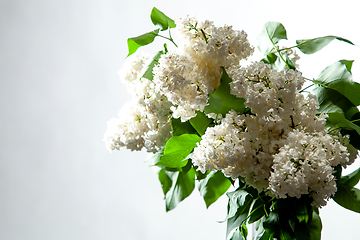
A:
(189, 75)
(281, 146)
(305, 165)
(144, 121)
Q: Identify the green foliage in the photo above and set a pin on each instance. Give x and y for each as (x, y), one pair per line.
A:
(332, 101)
(348, 197)
(142, 40)
(354, 135)
(149, 71)
(310, 46)
(303, 209)
(270, 35)
(289, 218)
(286, 62)
(276, 227)
(259, 208)
(200, 175)
(178, 127)
(154, 158)
(338, 77)
(244, 231)
(221, 101)
(271, 59)
(338, 120)
(177, 150)
(200, 122)
(239, 204)
(347, 63)
(165, 181)
(241, 208)
(315, 226)
(338, 96)
(236, 198)
(213, 186)
(177, 185)
(237, 235)
(264, 236)
(352, 179)
(158, 18)
(278, 63)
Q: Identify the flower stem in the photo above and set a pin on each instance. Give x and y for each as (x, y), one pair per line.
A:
(170, 39)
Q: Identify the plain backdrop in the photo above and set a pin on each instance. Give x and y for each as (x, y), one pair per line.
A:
(59, 86)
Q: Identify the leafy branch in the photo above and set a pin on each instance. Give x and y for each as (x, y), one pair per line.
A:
(158, 18)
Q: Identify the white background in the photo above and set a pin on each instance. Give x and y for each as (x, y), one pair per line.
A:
(59, 86)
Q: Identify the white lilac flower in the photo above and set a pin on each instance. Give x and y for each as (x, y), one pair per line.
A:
(132, 70)
(189, 75)
(305, 165)
(128, 130)
(219, 146)
(231, 148)
(144, 122)
(293, 56)
(281, 146)
(174, 78)
(216, 46)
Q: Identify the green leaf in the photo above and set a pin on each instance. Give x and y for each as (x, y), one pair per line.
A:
(158, 18)
(337, 173)
(257, 211)
(200, 175)
(315, 227)
(347, 63)
(270, 58)
(177, 149)
(270, 35)
(337, 119)
(264, 236)
(238, 208)
(288, 63)
(277, 63)
(351, 179)
(338, 77)
(237, 235)
(348, 197)
(332, 101)
(213, 186)
(277, 228)
(154, 157)
(303, 209)
(236, 199)
(301, 233)
(240, 215)
(149, 71)
(176, 186)
(244, 231)
(354, 136)
(221, 101)
(179, 128)
(142, 40)
(165, 181)
(200, 122)
(310, 46)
